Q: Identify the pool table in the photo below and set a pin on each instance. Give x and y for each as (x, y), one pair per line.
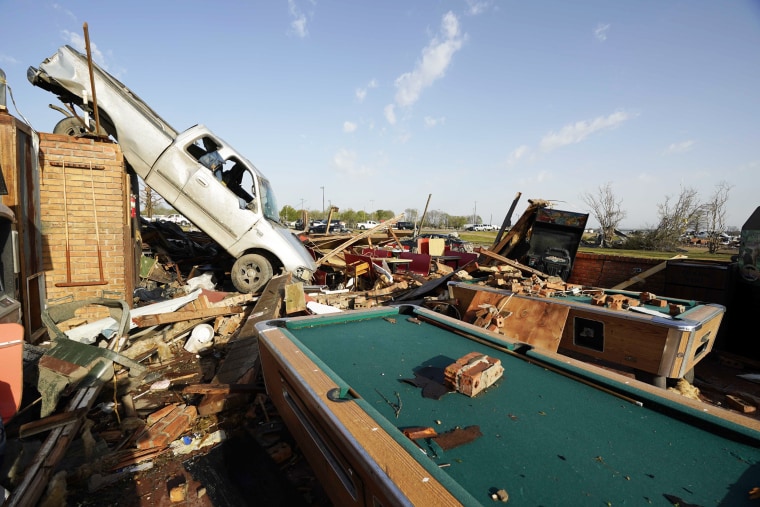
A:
(551, 431)
(645, 338)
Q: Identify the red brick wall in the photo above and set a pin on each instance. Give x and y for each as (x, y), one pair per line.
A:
(75, 212)
(608, 270)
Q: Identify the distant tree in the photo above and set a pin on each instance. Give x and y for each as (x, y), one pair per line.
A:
(150, 201)
(433, 218)
(605, 208)
(383, 214)
(675, 218)
(714, 215)
(457, 222)
(349, 216)
(411, 215)
(289, 213)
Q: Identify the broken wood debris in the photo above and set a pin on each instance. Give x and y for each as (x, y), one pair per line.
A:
(182, 398)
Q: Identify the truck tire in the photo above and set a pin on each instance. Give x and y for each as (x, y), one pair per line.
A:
(70, 126)
(250, 273)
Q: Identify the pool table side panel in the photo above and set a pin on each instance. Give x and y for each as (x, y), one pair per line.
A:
(699, 341)
(634, 344)
(668, 351)
(351, 432)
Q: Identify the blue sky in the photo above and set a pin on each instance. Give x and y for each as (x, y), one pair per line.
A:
(385, 102)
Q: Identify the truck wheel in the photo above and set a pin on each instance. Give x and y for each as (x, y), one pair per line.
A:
(69, 126)
(250, 273)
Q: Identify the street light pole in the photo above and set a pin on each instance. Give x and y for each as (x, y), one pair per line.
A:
(323, 199)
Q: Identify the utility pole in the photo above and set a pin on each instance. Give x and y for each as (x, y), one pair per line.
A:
(323, 199)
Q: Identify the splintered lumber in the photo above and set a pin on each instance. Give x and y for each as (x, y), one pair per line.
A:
(522, 267)
(221, 388)
(358, 237)
(737, 403)
(507, 221)
(649, 272)
(39, 472)
(180, 316)
(520, 229)
(50, 422)
(295, 299)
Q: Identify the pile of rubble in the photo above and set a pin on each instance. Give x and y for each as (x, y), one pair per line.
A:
(155, 403)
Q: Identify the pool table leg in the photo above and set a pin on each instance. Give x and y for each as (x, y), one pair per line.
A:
(660, 381)
(650, 378)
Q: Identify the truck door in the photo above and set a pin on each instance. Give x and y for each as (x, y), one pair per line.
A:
(224, 198)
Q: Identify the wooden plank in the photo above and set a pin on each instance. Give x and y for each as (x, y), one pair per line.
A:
(365, 234)
(180, 316)
(50, 422)
(295, 299)
(522, 267)
(737, 403)
(520, 229)
(538, 323)
(267, 307)
(649, 272)
(221, 388)
(39, 472)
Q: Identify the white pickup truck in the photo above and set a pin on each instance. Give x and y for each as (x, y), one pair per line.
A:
(195, 171)
(369, 224)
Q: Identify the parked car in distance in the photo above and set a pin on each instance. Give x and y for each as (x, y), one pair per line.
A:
(369, 224)
(178, 219)
(404, 226)
(336, 226)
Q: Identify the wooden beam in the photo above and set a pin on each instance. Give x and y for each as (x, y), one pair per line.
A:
(646, 274)
(295, 299)
(507, 221)
(180, 316)
(222, 388)
(50, 422)
(522, 267)
(39, 472)
(358, 237)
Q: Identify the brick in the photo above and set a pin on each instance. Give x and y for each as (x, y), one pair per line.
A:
(161, 413)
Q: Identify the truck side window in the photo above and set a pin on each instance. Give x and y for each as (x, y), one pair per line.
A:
(236, 178)
(203, 149)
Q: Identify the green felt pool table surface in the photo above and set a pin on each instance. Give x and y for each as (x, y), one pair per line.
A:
(552, 434)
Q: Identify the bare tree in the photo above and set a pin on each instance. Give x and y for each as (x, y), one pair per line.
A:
(605, 207)
(149, 200)
(675, 217)
(411, 214)
(714, 214)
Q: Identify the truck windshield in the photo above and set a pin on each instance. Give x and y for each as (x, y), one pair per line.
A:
(268, 201)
